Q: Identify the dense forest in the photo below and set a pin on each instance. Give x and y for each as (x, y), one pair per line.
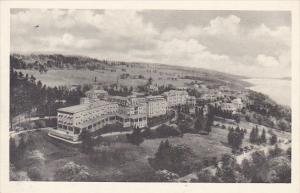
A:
(32, 97)
(44, 62)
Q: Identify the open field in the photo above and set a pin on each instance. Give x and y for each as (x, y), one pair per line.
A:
(68, 77)
(161, 75)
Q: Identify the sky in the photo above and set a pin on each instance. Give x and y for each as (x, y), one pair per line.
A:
(249, 43)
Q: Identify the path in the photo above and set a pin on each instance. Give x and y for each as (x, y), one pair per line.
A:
(15, 133)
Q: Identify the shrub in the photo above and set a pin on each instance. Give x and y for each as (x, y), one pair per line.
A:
(280, 170)
(273, 139)
(72, 172)
(34, 174)
(274, 152)
(148, 133)
(206, 175)
(167, 131)
(135, 137)
(40, 123)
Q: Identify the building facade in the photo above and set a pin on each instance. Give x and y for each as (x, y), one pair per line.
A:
(93, 113)
(156, 106)
(176, 97)
(71, 121)
(100, 94)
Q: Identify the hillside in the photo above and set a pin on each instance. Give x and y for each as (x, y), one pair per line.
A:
(44, 62)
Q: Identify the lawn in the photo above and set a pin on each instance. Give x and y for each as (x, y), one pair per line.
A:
(133, 166)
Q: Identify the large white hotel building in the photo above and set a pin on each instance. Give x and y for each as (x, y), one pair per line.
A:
(99, 109)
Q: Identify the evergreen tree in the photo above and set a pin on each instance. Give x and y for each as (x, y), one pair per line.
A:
(263, 137)
(246, 168)
(230, 137)
(273, 139)
(254, 135)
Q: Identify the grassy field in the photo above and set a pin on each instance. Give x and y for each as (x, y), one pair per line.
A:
(68, 77)
(134, 164)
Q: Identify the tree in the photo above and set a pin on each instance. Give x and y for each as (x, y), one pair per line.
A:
(210, 120)
(135, 137)
(263, 136)
(176, 158)
(273, 139)
(200, 124)
(227, 171)
(246, 169)
(254, 135)
(235, 138)
(259, 161)
(87, 143)
(276, 151)
(280, 170)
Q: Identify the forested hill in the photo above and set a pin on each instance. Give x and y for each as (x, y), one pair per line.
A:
(57, 61)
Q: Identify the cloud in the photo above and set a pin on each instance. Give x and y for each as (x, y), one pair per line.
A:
(223, 43)
(221, 25)
(267, 61)
(281, 34)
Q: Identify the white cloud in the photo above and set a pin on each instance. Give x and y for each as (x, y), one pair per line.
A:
(221, 25)
(221, 44)
(267, 61)
(281, 34)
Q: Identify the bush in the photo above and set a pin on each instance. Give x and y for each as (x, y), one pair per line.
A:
(135, 137)
(148, 133)
(34, 174)
(274, 152)
(206, 175)
(168, 131)
(273, 139)
(280, 170)
(166, 176)
(72, 172)
(40, 123)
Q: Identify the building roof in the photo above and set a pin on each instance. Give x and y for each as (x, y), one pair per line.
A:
(83, 107)
(97, 91)
(174, 92)
(94, 120)
(155, 98)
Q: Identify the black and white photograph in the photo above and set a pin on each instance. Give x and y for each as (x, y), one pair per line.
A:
(150, 95)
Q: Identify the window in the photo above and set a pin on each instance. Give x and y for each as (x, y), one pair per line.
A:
(76, 130)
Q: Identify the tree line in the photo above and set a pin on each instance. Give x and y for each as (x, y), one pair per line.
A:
(28, 95)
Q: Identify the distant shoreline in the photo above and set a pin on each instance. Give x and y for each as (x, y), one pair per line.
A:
(278, 89)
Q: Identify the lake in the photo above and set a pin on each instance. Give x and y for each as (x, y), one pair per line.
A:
(277, 89)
